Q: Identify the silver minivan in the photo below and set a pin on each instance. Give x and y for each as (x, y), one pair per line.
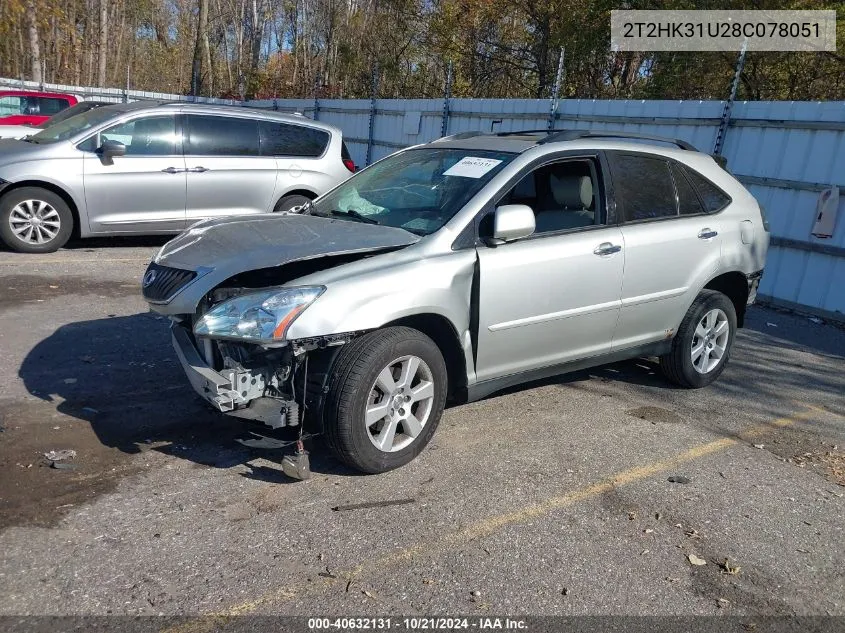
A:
(150, 167)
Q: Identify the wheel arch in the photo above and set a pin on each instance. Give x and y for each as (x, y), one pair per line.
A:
(308, 193)
(733, 285)
(440, 330)
(53, 188)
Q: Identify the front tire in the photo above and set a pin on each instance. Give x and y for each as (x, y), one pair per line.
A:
(34, 220)
(703, 344)
(386, 395)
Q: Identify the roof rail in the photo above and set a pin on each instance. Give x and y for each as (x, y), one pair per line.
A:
(572, 135)
(460, 135)
(518, 132)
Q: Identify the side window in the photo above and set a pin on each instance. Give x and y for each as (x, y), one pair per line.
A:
(30, 106)
(644, 187)
(50, 105)
(563, 196)
(149, 136)
(688, 202)
(221, 136)
(10, 106)
(283, 139)
(714, 199)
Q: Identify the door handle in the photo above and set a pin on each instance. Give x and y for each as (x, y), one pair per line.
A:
(198, 170)
(173, 170)
(606, 248)
(706, 234)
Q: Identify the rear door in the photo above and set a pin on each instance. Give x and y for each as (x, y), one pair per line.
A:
(672, 248)
(143, 191)
(226, 173)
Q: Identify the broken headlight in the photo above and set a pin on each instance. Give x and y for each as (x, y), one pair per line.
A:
(257, 316)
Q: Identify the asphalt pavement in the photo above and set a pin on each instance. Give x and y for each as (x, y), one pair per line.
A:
(553, 498)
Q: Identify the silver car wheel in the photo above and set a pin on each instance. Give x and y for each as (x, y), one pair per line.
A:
(710, 341)
(399, 404)
(35, 221)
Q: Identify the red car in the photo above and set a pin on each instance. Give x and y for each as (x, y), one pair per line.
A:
(29, 107)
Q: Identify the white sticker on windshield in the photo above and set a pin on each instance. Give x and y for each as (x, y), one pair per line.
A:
(471, 167)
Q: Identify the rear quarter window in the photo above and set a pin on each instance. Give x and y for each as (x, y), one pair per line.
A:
(287, 139)
(713, 198)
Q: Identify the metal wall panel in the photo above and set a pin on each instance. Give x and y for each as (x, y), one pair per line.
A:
(785, 152)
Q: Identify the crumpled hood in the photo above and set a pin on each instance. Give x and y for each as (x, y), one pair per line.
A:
(221, 248)
(240, 243)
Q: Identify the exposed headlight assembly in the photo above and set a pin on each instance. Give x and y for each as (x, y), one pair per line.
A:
(260, 317)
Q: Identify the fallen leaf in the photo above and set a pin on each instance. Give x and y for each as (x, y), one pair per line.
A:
(695, 560)
(730, 569)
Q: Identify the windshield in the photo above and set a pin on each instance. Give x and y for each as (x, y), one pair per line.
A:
(74, 125)
(418, 190)
(65, 114)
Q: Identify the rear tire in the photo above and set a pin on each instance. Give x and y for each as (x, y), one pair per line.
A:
(286, 203)
(34, 220)
(703, 344)
(386, 395)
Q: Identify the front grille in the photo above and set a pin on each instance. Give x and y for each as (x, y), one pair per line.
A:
(160, 283)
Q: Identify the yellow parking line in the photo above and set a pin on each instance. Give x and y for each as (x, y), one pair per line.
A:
(493, 524)
(35, 262)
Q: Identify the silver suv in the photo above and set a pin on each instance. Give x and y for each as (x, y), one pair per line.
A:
(451, 270)
(148, 167)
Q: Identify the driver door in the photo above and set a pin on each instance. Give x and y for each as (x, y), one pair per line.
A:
(143, 191)
(554, 296)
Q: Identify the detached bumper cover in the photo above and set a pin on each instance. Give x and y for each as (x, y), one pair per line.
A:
(238, 393)
(212, 386)
(753, 285)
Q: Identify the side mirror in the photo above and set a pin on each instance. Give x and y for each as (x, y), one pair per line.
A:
(513, 221)
(109, 149)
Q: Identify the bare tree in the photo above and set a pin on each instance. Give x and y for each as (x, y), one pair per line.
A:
(202, 38)
(34, 46)
(104, 41)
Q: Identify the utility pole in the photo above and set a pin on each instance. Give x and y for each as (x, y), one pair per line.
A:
(556, 91)
(729, 104)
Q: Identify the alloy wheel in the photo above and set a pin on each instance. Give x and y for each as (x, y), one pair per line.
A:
(710, 341)
(399, 404)
(35, 221)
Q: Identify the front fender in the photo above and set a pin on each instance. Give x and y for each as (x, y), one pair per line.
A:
(438, 284)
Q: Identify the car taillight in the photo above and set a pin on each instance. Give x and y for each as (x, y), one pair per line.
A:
(349, 164)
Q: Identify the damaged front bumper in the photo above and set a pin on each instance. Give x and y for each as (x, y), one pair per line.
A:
(237, 392)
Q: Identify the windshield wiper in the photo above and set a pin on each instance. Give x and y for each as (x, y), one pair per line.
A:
(352, 213)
